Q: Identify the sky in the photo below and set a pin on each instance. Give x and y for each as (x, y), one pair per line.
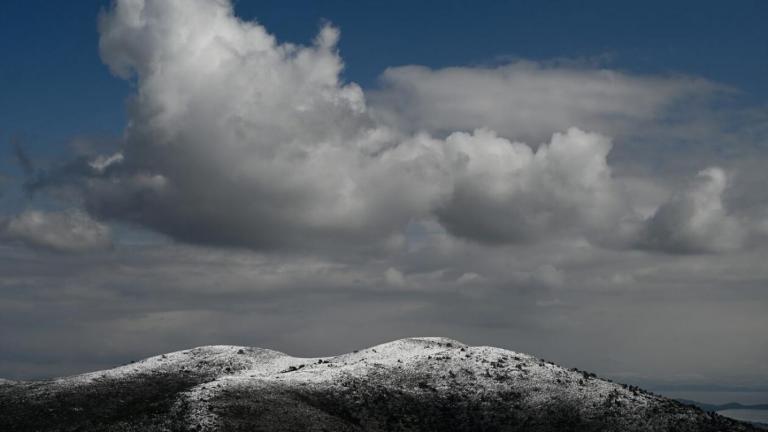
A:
(582, 181)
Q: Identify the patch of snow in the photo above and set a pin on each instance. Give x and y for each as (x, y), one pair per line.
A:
(415, 364)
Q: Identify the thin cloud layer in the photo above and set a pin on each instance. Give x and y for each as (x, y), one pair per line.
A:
(527, 100)
(69, 231)
(566, 301)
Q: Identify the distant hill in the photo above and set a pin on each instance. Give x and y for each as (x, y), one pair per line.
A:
(721, 407)
(727, 406)
(416, 384)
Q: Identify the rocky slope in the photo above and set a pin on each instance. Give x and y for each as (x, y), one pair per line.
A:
(417, 384)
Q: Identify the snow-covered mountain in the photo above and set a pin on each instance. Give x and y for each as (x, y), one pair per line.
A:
(415, 384)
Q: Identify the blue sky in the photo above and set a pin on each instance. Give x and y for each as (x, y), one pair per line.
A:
(564, 178)
(54, 84)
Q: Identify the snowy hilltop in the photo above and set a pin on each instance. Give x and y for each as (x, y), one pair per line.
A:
(415, 384)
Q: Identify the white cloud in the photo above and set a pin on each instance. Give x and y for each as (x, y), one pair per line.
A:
(526, 100)
(507, 192)
(63, 231)
(469, 278)
(235, 139)
(394, 277)
(257, 143)
(101, 162)
(695, 220)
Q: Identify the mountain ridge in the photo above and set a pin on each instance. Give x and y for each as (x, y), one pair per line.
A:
(412, 384)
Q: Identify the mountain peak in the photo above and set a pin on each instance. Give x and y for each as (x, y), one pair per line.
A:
(412, 384)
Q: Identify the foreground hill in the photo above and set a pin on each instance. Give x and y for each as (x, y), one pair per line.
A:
(417, 384)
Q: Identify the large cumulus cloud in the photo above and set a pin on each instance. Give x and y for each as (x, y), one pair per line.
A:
(695, 220)
(506, 192)
(236, 139)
